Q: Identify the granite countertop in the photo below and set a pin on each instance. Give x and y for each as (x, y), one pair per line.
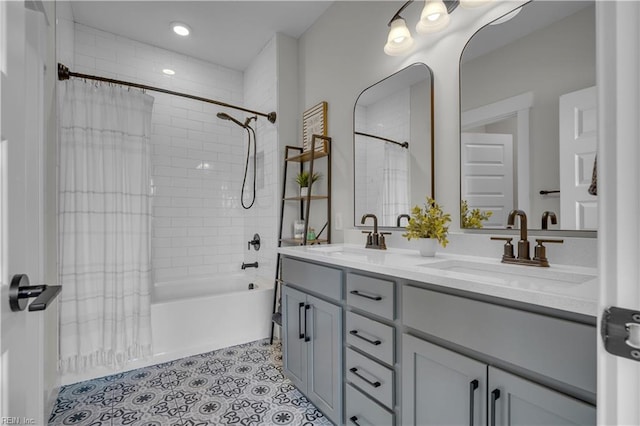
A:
(567, 288)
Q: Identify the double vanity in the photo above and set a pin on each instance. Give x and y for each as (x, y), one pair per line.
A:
(376, 337)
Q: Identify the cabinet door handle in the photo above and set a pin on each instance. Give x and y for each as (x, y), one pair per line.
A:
(354, 420)
(366, 296)
(373, 342)
(300, 333)
(375, 384)
(473, 385)
(495, 395)
(306, 333)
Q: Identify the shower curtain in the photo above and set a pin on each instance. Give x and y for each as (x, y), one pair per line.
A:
(395, 189)
(104, 225)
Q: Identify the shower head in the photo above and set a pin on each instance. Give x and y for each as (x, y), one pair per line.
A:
(226, 116)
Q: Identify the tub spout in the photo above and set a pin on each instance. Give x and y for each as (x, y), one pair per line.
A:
(249, 265)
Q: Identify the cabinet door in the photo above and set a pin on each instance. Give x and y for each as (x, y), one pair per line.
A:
(441, 387)
(294, 347)
(324, 388)
(516, 401)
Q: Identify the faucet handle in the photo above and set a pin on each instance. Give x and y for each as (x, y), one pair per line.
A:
(369, 239)
(546, 240)
(382, 243)
(540, 251)
(508, 247)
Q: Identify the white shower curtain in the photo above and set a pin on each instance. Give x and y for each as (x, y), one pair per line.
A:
(395, 188)
(104, 220)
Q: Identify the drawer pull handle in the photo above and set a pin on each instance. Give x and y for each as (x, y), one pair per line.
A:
(495, 394)
(375, 384)
(366, 296)
(300, 333)
(373, 342)
(354, 420)
(473, 385)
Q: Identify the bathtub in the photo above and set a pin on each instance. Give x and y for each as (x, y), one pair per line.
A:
(190, 316)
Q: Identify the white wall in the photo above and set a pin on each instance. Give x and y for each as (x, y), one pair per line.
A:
(332, 71)
(341, 54)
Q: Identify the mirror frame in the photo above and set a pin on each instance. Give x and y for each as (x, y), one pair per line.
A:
(356, 221)
(541, 232)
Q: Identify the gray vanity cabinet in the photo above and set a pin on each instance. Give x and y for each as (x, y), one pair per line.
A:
(444, 387)
(514, 401)
(312, 341)
(441, 387)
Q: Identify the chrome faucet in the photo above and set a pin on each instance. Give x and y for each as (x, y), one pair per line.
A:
(375, 240)
(545, 219)
(523, 244)
(540, 256)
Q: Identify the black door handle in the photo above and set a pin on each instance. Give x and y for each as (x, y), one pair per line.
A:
(495, 395)
(20, 291)
(306, 333)
(473, 385)
(354, 420)
(300, 333)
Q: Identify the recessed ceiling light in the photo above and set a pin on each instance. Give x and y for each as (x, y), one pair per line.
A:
(180, 29)
(168, 71)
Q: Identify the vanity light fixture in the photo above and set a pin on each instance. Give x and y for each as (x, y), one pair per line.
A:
(180, 29)
(434, 17)
(168, 71)
(399, 40)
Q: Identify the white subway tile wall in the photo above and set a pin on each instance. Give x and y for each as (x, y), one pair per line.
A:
(199, 227)
(260, 87)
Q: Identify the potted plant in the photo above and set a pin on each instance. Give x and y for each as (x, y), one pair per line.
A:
(304, 179)
(430, 226)
(470, 219)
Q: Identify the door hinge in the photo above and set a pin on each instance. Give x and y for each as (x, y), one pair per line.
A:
(620, 331)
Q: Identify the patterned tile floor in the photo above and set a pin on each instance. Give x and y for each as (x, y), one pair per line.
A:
(241, 385)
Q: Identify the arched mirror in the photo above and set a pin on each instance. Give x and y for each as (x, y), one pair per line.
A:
(528, 116)
(393, 145)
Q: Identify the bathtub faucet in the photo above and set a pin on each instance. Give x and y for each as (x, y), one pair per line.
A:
(249, 265)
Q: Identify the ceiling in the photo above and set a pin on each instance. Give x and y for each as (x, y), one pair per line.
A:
(228, 33)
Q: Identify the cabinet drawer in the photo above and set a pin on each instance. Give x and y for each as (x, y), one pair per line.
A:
(319, 279)
(370, 336)
(373, 378)
(371, 294)
(363, 411)
(558, 349)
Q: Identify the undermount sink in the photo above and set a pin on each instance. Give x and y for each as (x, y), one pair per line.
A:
(341, 251)
(502, 273)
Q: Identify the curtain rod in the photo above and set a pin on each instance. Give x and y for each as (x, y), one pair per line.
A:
(65, 74)
(402, 144)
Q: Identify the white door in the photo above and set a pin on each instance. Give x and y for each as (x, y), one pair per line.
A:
(618, 52)
(578, 147)
(487, 174)
(22, 392)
